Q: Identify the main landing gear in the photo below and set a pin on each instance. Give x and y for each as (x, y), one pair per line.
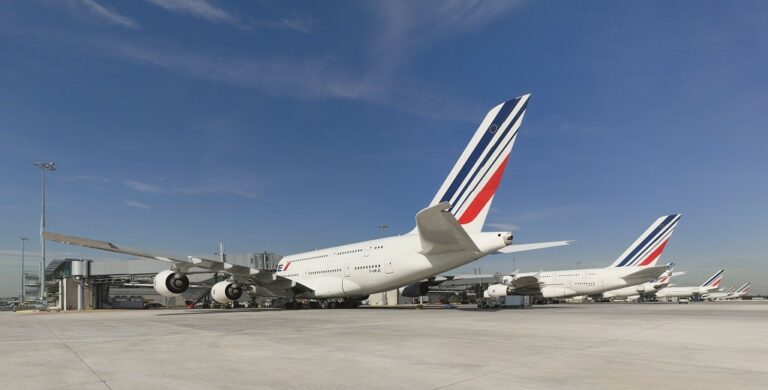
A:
(324, 304)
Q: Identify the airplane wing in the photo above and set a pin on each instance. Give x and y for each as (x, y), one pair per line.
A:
(188, 262)
(529, 247)
(440, 232)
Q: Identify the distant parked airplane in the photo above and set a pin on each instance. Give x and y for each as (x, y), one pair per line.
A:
(644, 289)
(710, 284)
(738, 294)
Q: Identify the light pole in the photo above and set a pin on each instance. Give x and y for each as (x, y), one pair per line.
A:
(23, 246)
(49, 166)
(383, 229)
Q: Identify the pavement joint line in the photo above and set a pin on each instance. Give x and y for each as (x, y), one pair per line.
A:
(93, 340)
(78, 357)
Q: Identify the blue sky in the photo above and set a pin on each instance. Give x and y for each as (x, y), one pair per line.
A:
(290, 126)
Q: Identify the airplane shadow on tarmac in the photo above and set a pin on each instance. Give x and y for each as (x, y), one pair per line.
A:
(216, 311)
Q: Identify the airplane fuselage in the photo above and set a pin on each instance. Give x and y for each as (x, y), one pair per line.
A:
(378, 265)
(683, 292)
(571, 283)
(631, 291)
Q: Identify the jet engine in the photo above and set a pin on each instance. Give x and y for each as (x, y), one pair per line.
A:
(499, 290)
(226, 292)
(415, 290)
(170, 284)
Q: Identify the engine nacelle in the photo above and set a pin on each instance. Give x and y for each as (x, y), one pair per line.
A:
(415, 290)
(498, 290)
(170, 284)
(226, 292)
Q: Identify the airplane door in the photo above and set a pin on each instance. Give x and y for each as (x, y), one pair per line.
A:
(346, 270)
(388, 267)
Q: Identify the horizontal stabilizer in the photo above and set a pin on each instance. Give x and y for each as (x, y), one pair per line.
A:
(440, 232)
(643, 274)
(529, 247)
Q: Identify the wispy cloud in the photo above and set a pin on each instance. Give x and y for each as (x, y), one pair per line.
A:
(504, 226)
(198, 8)
(108, 15)
(212, 13)
(84, 179)
(544, 214)
(141, 187)
(137, 205)
(406, 25)
(214, 186)
(214, 189)
(312, 79)
(302, 25)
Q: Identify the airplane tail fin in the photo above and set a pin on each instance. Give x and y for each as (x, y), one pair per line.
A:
(645, 251)
(664, 278)
(714, 281)
(730, 290)
(744, 289)
(473, 181)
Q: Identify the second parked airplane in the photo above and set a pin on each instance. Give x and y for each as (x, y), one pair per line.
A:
(635, 266)
(645, 289)
(688, 292)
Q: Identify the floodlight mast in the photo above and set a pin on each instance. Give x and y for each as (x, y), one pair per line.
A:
(49, 166)
(23, 247)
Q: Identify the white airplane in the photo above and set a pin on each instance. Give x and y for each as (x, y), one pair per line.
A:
(641, 290)
(687, 292)
(447, 235)
(740, 292)
(635, 266)
(715, 295)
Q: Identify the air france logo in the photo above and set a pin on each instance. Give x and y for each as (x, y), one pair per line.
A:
(283, 267)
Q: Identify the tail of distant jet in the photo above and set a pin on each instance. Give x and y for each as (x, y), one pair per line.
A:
(714, 281)
(730, 290)
(663, 280)
(743, 290)
(645, 251)
(472, 183)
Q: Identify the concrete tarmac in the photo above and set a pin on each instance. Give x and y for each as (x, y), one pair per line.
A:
(575, 346)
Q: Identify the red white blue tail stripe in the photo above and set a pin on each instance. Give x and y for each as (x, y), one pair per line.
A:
(664, 278)
(714, 281)
(744, 289)
(645, 251)
(473, 181)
